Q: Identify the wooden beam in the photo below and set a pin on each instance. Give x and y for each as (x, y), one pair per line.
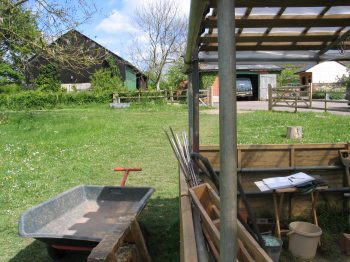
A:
(264, 21)
(275, 37)
(277, 47)
(335, 43)
(286, 3)
(246, 14)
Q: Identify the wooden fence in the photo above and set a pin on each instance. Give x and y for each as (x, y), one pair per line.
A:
(302, 97)
(168, 96)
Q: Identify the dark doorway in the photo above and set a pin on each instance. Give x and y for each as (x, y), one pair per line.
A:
(254, 78)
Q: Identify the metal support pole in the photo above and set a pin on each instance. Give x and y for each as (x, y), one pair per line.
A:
(228, 131)
(190, 109)
(195, 97)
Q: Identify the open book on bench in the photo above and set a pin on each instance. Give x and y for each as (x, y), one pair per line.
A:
(293, 180)
(287, 181)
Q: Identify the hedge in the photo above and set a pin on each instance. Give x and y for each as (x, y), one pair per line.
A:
(42, 100)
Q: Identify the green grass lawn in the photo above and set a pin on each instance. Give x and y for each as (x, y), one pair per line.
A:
(43, 153)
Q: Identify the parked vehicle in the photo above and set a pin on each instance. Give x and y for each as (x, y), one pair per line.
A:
(244, 87)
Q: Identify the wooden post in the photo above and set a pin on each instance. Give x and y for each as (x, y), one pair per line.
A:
(270, 96)
(325, 101)
(139, 96)
(165, 95)
(295, 102)
(294, 132)
(171, 95)
(310, 95)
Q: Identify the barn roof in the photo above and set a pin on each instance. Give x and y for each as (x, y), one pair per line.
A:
(106, 50)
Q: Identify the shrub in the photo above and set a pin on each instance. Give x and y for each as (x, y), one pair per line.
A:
(107, 78)
(103, 80)
(48, 79)
(337, 96)
(44, 100)
(207, 79)
(10, 88)
(318, 95)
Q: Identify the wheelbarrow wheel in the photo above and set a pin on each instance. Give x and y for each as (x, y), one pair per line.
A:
(55, 253)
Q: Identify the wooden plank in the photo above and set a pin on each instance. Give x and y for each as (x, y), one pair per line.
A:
(253, 46)
(286, 3)
(139, 241)
(206, 220)
(270, 158)
(106, 250)
(252, 155)
(213, 248)
(188, 247)
(275, 37)
(243, 254)
(212, 232)
(239, 158)
(263, 21)
(215, 148)
(259, 253)
(315, 157)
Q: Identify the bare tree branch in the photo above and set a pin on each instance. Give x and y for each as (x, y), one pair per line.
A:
(165, 31)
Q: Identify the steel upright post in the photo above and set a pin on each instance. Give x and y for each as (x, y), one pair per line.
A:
(228, 131)
(190, 109)
(195, 97)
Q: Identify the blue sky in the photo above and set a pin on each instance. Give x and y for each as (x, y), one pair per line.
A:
(114, 25)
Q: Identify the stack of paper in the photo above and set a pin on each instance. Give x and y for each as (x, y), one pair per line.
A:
(283, 182)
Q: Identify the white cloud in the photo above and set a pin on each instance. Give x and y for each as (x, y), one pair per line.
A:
(117, 22)
(119, 31)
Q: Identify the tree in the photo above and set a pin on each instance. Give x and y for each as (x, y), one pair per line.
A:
(165, 34)
(28, 27)
(288, 76)
(48, 79)
(175, 74)
(18, 36)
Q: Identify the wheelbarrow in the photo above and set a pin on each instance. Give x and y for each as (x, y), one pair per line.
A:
(84, 217)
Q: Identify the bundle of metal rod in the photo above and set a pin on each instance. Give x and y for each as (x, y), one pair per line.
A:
(182, 153)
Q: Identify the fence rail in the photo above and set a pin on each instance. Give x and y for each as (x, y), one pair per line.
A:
(167, 95)
(302, 97)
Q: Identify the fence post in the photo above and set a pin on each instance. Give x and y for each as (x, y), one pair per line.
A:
(270, 96)
(171, 95)
(295, 102)
(325, 101)
(310, 95)
(139, 96)
(165, 95)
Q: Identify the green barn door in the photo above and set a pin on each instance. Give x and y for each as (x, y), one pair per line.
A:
(130, 79)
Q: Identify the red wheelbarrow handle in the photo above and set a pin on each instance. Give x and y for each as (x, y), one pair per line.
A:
(126, 173)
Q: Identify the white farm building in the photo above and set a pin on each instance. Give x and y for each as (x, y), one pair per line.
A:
(323, 74)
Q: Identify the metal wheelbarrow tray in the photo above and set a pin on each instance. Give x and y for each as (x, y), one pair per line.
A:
(83, 215)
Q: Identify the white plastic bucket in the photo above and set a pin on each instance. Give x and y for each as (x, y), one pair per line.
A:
(303, 239)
